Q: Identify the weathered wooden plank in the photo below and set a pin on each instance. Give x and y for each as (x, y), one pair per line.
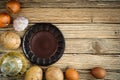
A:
(106, 15)
(57, 15)
(84, 75)
(90, 30)
(62, 0)
(105, 0)
(86, 46)
(84, 30)
(94, 46)
(88, 61)
(66, 3)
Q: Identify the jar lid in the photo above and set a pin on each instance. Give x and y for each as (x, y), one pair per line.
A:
(43, 44)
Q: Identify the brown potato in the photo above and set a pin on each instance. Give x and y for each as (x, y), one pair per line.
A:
(54, 73)
(34, 73)
(10, 40)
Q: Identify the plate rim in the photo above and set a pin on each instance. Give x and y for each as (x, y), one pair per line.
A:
(42, 61)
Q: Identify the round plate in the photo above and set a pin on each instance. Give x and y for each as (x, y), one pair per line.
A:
(48, 28)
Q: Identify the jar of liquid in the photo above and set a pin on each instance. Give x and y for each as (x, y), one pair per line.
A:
(13, 64)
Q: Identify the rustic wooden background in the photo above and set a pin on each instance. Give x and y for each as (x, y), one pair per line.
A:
(91, 29)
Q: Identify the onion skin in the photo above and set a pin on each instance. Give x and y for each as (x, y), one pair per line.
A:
(13, 6)
(20, 23)
(4, 20)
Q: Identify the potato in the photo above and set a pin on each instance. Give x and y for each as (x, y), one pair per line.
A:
(54, 73)
(34, 73)
(10, 40)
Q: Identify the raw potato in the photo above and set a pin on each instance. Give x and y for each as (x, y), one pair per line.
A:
(54, 73)
(10, 40)
(34, 73)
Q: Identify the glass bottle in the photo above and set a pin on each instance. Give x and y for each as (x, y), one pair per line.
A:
(13, 64)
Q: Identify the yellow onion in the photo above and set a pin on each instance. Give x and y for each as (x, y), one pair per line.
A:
(4, 20)
(13, 6)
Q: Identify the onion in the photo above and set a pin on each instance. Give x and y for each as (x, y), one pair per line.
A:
(4, 19)
(13, 6)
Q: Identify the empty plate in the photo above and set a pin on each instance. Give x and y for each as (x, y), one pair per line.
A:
(43, 44)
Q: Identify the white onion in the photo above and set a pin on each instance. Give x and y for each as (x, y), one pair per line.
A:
(20, 23)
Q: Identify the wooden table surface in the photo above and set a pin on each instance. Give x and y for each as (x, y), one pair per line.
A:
(91, 29)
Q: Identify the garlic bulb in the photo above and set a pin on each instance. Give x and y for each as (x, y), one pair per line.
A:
(20, 23)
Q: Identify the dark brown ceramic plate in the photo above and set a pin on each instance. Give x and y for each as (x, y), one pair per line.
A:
(43, 44)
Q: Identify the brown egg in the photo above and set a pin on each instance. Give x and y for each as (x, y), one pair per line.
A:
(72, 74)
(13, 6)
(98, 72)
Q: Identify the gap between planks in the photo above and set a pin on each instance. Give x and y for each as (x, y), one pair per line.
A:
(84, 75)
(71, 15)
(79, 31)
(57, 15)
(86, 46)
(88, 61)
(66, 4)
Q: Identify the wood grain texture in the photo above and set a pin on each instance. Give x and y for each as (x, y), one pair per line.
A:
(66, 3)
(91, 29)
(83, 30)
(84, 75)
(57, 15)
(86, 38)
(85, 46)
(88, 61)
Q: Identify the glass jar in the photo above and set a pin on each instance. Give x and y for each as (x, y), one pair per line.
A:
(13, 64)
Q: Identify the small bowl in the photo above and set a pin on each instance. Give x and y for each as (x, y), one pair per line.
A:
(43, 44)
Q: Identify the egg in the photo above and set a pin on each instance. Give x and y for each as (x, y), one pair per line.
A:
(98, 72)
(72, 74)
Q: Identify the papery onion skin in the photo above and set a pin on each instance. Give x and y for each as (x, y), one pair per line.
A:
(20, 23)
(4, 20)
(13, 6)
